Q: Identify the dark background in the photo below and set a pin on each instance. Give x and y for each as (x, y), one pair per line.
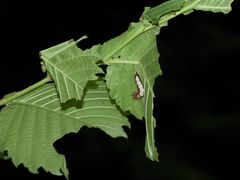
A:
(197, 104)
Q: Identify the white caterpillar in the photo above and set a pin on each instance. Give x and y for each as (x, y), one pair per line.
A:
(140, 92)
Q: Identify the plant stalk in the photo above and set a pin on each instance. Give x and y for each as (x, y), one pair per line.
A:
(138, 33)
(24, 91)
(144, 29)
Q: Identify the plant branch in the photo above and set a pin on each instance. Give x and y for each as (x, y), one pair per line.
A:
(144, 29)
(24, 91)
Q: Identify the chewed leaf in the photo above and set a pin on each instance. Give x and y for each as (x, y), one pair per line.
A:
(150, 123)
(140, 56)
(36, 120)
(71, 68)
(111, 48)
(121, 82)
(36, 117)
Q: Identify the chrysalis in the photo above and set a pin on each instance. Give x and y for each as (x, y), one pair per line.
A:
(140, 89)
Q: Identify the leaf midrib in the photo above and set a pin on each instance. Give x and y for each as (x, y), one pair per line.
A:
(60, 113)
(64, 75)
(77, 57)
(46, 109)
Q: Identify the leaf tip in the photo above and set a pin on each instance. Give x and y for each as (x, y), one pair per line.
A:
(82, 38)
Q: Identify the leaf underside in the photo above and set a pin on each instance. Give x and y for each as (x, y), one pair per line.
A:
(71, 68)
(223, 6)
(30, 124)
(139, 56)
(33, 122)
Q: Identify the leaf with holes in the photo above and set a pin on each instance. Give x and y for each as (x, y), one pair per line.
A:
(140, 57)
(33, 122)
(71, 68)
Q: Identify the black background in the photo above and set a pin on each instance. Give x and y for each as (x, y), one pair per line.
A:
(197, 104)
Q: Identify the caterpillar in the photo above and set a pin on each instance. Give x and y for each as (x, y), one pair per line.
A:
(140, 89)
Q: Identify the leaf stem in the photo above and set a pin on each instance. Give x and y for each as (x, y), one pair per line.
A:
(139, 31)
(24, 91)
(143, 29)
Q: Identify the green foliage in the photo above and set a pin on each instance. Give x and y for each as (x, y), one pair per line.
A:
(33, 122)
(71, 68)
(214, 6)
(33, 119)
(143, 60)
(155, 13)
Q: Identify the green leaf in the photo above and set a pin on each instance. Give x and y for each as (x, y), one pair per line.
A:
(223, 6)
(52, 51)
(155, 13)
(112, 47)
(138, 56)
(170, 9)
(71, 68)
(133, 58)
(150, 123)
(36, 120)
(121, 82)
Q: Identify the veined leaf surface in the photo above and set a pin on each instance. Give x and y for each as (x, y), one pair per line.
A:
(71, 68)
(33, 122)
(139, 56)
(223, 6)
(170, 9)
(155, 13)
(52, 51)
(150, 124)
(112, 47)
